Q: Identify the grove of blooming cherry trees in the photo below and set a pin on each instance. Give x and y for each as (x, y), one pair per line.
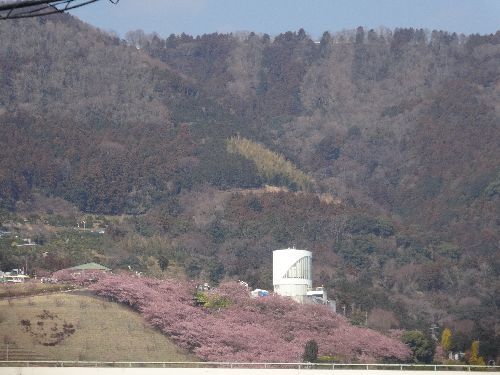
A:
(81, 278)
(270, 329)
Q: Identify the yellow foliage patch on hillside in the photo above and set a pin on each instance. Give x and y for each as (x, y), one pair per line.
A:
(270, 165)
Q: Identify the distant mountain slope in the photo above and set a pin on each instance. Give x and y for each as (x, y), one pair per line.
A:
(405, 121)
(102, 121)
(361, 107)
(400, 126)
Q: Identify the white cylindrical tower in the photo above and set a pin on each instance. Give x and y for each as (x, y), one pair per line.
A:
(292, 273)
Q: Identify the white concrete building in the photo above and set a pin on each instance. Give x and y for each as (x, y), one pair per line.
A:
(292, 277)
(292, 273)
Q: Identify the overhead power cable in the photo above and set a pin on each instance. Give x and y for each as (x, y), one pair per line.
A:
(12, 9)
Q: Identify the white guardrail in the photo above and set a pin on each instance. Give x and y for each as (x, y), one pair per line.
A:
(252, 365)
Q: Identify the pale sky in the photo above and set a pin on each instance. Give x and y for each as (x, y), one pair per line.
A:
(197, 17)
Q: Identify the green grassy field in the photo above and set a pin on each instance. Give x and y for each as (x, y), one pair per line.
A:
(68, 326)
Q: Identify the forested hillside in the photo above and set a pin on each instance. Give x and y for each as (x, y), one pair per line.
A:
(382, 148)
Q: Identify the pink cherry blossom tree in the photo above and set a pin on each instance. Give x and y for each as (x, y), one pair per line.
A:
(78, 277)
(270, 329)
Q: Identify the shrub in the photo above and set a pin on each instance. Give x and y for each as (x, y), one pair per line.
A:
(310, 351)
(422, 346)
(211, 300)
(163, 262)
(368, 225)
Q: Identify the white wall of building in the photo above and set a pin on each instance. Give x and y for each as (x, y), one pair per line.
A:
(292, 273)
